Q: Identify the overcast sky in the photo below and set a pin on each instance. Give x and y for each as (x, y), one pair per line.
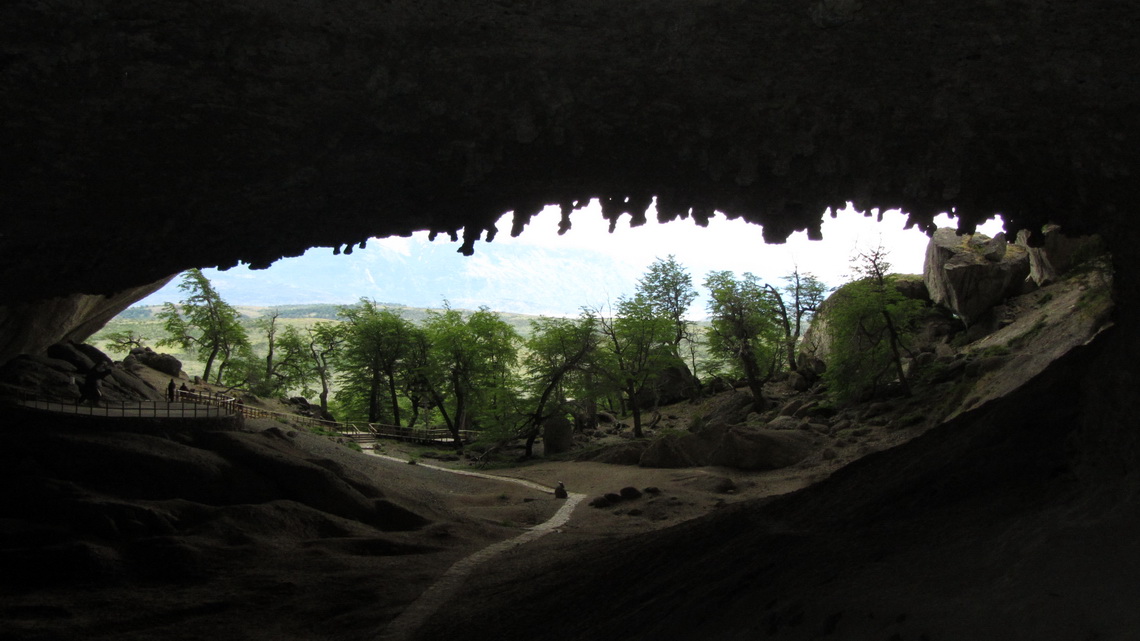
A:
(542, 272)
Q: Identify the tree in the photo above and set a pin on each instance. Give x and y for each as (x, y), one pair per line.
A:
(804, 294)
(870, 321)
(124, 341)
(203, 323)
(746, 327)
(469, 373)
(373, 361)
(326, 341)
(418, 386)
(638, 346)
(558, 348)
(268, 325)
(306, 357)
(669, 289)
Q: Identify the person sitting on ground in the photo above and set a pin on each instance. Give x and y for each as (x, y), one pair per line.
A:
(560, 491)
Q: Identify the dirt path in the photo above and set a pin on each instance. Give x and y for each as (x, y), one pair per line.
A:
(432, 599)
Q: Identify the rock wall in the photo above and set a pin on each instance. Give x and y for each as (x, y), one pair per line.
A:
(141, 139)
(30, 327)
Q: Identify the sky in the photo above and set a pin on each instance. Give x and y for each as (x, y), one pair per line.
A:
(540, 272)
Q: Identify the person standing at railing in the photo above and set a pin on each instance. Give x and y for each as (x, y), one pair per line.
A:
(90, 389)
(171, 390)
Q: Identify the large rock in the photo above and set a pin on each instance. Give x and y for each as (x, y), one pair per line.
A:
(30, 328)
(753, 448)
(557, 435)
(165, 363)
(673, 385)
(731, 410)
(1057, 253)
(628, 453)
(744, 447)
(677, 450)
(815, 347)
(969, 274)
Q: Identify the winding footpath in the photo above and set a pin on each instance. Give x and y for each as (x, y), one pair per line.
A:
(404, 626)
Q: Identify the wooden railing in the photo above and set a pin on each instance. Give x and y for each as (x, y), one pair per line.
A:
(438, 435)
(192, 404)
(129, 409)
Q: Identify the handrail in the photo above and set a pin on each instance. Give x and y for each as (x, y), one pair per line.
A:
(193, 404)
(128, 409)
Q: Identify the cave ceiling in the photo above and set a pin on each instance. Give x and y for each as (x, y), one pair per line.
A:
(143, 138)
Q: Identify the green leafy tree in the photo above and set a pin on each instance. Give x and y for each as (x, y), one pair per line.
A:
(373, 363)
(802, 296)
(870, 323)
(203, 324)
(124, 341)
(305, 360)
(637, 347)
(419, 380)
(470, 370)
(269, 326)
(746, 327)
(668, 287)
(326, 341)
(558, 350)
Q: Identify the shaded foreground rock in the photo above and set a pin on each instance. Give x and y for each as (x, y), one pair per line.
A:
(939, 538)
(741, 446)
(754, 448)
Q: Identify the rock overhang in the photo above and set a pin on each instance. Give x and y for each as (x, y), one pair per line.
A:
(145, 139)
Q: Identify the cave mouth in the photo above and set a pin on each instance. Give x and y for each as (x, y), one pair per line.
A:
(551, 269)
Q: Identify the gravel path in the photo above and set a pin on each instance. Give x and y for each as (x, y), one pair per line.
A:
(432, 599)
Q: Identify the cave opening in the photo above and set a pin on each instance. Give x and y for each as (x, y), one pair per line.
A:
(553, 268)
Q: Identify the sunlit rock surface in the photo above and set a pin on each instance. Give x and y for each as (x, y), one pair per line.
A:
(971, 273)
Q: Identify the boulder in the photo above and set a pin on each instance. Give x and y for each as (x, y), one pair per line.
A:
(912, 286)
(671, 451)
(966, 274)
(733, 410)
(798, 382)
(164, 363)
(752, 448)
(784, 423)
(815, 346)
(557, 435)
(1057, 253)
(630, 493)
(620, 454)
(70, 353)
(600, 502)
(791, 407)
(673, 385)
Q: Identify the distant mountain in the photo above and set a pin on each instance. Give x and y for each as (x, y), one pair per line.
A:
(503, 277)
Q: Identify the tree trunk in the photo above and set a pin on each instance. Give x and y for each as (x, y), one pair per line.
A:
(395, 398)
(752, 376)
(530, 439)
(374, 398)
(893, 341)
(636, 411)
(209, 364)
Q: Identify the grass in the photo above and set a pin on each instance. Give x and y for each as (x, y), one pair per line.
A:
(1094, 301)
(1028, 335)
(995, 350)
